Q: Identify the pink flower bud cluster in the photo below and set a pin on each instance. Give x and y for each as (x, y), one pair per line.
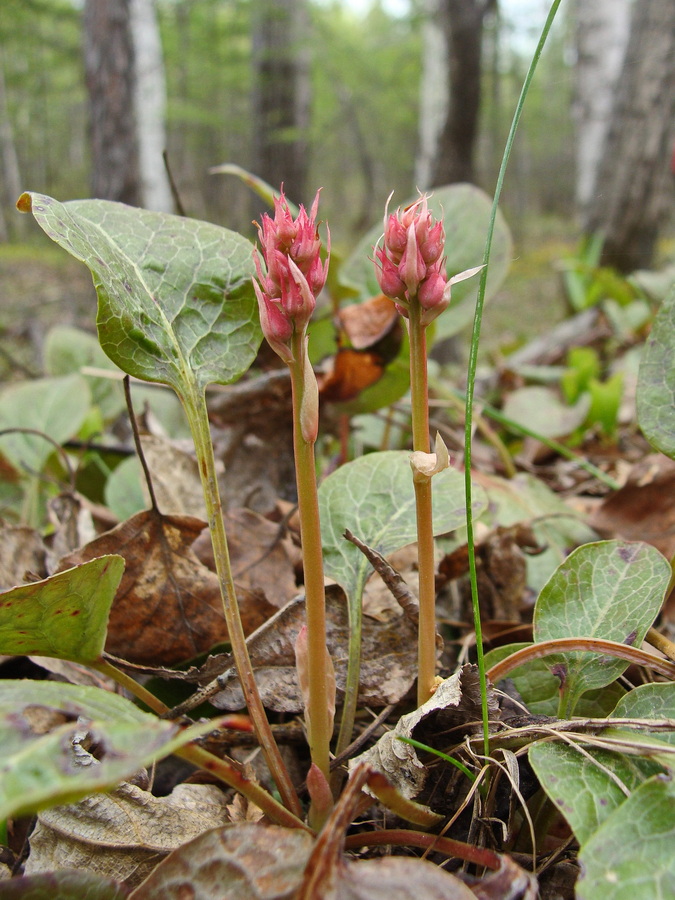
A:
(290, 249)
(410, 266)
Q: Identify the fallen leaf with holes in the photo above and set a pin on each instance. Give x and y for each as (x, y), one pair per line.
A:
(388, 657)
(233, 863)
(258, 555)
(123, 835)
(22, 553)
(168, 606)
(453, 712)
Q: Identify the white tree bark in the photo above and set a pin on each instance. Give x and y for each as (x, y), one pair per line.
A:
(150, 105)
(434, 94)
(602, 29)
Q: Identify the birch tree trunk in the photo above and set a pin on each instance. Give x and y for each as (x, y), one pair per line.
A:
(109, 71)
(634, 186)
(461, 22)
(281, 94)
(150, 105)
(434, 93)
(601, 35)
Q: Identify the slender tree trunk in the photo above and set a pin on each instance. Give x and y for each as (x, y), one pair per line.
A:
(434, 93)
(109, 70)
(601, 35)
(150, 105)
(634, 188)
(462, 24)
(281, 94)
(11, 178)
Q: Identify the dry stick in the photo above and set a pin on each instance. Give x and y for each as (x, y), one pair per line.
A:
(393, 580)
(593, 645)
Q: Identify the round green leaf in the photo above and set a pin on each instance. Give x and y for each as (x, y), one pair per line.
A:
(56, 407)
(611, 590)
(64, 616)
(374, 498)
(174, 295)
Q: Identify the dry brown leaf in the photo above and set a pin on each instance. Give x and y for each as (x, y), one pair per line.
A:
(454, 710)
(644, 508)
(509, 882)
(175, 476)
(168, 606)
(123, 835)
(22, 552)
(239, 862)
(389, 653)
(367, 323)
(258, 555)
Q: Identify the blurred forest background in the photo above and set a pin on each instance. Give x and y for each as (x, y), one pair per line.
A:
(359, 98)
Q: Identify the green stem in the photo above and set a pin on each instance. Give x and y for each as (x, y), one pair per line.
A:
(194, 403)
(471, 373)
(419, 400)
(304, 436)
(221, 768)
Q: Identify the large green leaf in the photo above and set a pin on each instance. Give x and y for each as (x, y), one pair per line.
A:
(44, 728)
(374, 498)
(174, 294)
(609, 589)
(631, 856)
(649, 701)
(656, 382)
(64, 616)
(587, 785)
(55, 407)
(465, 210)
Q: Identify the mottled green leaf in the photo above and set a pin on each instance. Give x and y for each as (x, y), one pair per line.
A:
(374, 498)
(656, 382)
(55, 407)
(68, 884)
(174, 294)
(611, 590)
(649, 701)
(539, 688)
(45, 727)
(64, 616)
(587, 784)
(631, 855)
(465, 210)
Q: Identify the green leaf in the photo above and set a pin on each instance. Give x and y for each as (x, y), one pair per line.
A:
(656, 382)
(64, 616)
(174, 294)
(649, 701)
(68, 350)
(465, 211)
(540, 409)
(539, 688)
(41, 726)
(587, 786)
(67, 884)
(611, 590)
(124, 489)
(374, 498)
(56, 407)
(631, 855)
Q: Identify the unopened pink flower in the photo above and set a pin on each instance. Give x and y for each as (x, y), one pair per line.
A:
(294, 274)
